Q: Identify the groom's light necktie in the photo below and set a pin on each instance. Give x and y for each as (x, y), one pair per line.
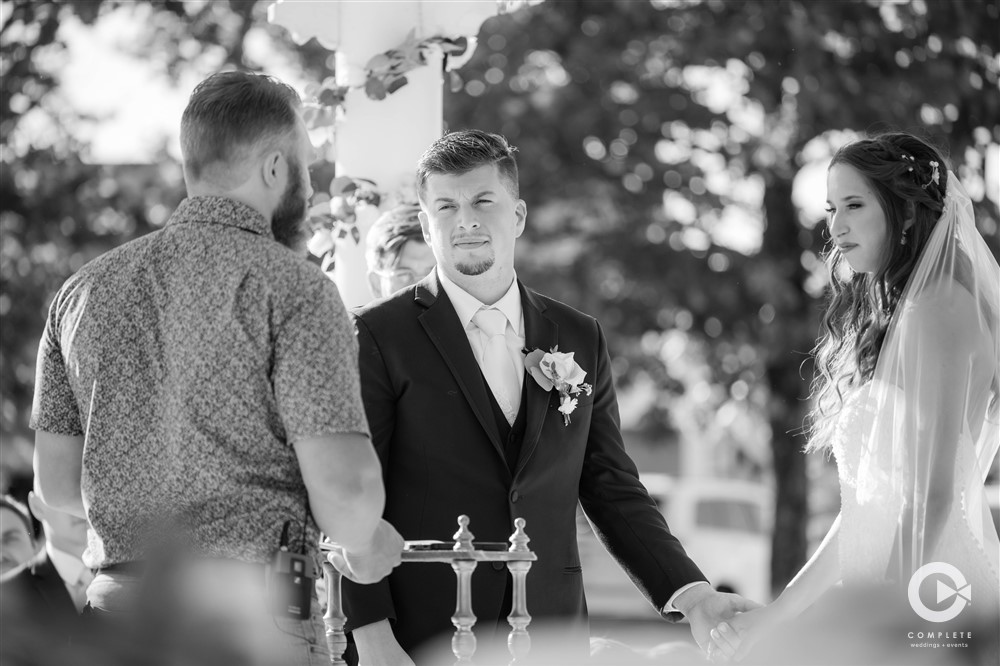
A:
(497, 365)
(78, 589)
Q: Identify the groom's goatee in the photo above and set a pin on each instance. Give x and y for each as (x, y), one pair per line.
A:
(475, 269)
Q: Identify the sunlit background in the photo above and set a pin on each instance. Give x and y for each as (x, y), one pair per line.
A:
(672, 155)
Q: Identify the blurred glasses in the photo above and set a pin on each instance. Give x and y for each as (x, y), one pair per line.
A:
(404, 276)
(394, 279)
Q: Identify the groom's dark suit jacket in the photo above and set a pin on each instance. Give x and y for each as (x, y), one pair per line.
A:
(35, 598)
(433, 424)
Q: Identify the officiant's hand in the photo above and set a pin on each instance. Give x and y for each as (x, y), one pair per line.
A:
(374, 562)
(706, 608)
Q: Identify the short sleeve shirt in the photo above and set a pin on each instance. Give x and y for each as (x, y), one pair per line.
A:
(191, 360)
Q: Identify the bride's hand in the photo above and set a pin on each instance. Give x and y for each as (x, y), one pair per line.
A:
(734, 638)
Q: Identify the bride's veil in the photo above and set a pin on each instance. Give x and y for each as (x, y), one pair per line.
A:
(935, 393)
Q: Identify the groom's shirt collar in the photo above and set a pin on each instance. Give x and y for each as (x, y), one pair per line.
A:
(466, 305)
(69, 566)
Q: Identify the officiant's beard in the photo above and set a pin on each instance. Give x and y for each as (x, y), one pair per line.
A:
(288, 219)
(477, 268)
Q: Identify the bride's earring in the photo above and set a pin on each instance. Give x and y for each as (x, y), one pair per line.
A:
(903, 240)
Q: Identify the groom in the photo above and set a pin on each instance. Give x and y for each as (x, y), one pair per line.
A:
(462, 428)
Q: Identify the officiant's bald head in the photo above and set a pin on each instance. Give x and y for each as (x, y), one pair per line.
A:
(232, 118)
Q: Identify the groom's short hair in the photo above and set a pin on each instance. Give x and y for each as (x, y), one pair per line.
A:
(459, 152)
(231, 115)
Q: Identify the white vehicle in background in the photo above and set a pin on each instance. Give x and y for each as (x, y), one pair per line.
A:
(725, 526)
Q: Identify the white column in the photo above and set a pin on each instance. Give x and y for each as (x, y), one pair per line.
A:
(380, 140)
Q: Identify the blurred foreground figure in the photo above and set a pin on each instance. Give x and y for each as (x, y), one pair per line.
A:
(907, 395)
(396, 253)
(197, 399)
(41, 600)
(17, 545)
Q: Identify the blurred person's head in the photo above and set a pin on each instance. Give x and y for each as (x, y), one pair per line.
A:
(885, 194)
(242, 136)
(396, 253)
(63, 531)
(470, 211)
(17, 545)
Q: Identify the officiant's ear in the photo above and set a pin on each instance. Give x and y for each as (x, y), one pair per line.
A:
(273, 168)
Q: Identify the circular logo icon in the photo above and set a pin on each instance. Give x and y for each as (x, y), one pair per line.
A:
(959, 591)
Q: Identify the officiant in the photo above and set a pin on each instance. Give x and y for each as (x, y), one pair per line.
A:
(197, 399)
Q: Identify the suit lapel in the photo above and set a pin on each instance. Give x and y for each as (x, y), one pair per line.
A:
(442, 325)
(50, 583)
(540, 332)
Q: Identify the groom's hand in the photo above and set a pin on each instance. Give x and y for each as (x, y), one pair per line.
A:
(374, 562)
(705, 608)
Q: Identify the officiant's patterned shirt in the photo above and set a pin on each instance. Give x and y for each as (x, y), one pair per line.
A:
(191, 360)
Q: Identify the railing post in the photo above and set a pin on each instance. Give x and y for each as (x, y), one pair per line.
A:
(334, 618)
(463, 643)
(518, 641)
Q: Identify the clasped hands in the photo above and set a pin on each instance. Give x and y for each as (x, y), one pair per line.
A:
(732, 639)
(724, 625)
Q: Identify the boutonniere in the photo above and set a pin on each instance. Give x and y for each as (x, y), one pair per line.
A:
(556, 369)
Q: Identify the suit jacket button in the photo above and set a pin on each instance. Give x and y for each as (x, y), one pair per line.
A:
(514, 496)
(498, 566)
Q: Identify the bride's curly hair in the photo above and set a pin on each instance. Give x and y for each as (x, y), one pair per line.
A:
(909, 179)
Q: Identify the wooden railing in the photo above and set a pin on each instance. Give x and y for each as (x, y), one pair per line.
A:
(463, 555)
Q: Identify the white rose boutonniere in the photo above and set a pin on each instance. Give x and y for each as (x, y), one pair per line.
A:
(558, 370)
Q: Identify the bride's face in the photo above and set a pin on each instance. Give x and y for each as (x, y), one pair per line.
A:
(855, 217)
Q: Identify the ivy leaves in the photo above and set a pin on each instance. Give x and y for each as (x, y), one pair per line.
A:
(386, 72)
(334, 219)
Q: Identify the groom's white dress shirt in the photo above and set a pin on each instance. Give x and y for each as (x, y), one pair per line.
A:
(75, 575)
(466, 306)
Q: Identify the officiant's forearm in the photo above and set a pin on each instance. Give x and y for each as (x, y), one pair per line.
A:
(343, 477)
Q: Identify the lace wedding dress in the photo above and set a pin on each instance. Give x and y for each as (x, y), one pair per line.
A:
(873, 505)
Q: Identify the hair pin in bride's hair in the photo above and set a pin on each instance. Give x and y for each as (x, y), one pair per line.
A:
(935, 175)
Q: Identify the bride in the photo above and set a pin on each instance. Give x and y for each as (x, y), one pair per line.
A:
(907, 385)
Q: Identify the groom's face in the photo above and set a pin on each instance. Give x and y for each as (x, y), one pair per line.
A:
(471, 221)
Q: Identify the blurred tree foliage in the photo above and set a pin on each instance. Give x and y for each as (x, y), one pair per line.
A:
(658, 146)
